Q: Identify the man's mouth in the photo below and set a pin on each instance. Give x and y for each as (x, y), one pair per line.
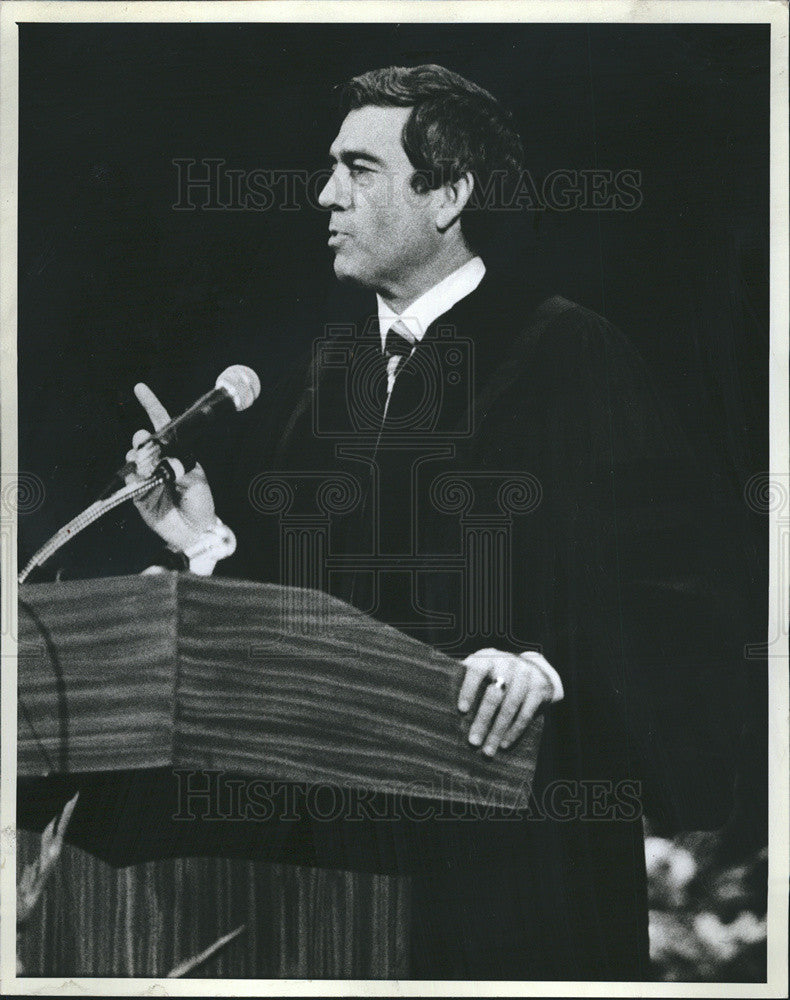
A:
(336, 237)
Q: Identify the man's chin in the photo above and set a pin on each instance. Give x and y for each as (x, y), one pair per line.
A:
(347, 273)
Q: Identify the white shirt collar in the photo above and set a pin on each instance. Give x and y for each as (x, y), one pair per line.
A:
(435, 302)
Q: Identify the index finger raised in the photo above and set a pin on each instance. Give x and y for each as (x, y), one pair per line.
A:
(157, 414)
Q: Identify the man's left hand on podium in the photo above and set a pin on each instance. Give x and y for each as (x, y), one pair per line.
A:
(518, 686)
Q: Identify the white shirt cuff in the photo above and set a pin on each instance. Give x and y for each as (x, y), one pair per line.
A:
(215, 543)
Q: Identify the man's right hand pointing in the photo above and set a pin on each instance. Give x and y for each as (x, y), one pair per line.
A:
(178, 512)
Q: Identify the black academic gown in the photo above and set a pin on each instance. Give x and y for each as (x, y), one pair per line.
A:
(527, 490)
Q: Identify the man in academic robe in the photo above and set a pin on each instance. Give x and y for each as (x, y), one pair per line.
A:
(516, 495)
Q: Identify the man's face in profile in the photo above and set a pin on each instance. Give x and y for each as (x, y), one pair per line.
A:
(381, 230)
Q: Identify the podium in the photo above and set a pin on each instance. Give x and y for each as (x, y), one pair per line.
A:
(273, 751)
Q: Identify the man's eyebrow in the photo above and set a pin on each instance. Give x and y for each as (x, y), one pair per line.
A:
(348, 156)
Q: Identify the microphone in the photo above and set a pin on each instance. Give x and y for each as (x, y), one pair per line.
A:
(237, 387)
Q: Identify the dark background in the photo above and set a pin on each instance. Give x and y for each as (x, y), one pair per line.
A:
(116, 287)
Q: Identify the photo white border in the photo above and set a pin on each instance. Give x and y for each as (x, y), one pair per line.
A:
(774, 12)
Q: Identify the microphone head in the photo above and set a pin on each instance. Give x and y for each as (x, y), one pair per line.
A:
(241, 384)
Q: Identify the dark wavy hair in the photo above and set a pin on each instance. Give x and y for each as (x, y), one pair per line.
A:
(455, 126)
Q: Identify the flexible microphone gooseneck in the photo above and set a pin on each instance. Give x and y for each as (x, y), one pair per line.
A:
(237, 388)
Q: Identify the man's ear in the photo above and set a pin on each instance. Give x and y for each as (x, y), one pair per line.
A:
(453, 200)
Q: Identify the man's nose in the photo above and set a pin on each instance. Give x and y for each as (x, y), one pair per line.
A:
(335, 193)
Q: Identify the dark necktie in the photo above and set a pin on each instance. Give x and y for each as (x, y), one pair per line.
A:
(398, 344)
(398, 341)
